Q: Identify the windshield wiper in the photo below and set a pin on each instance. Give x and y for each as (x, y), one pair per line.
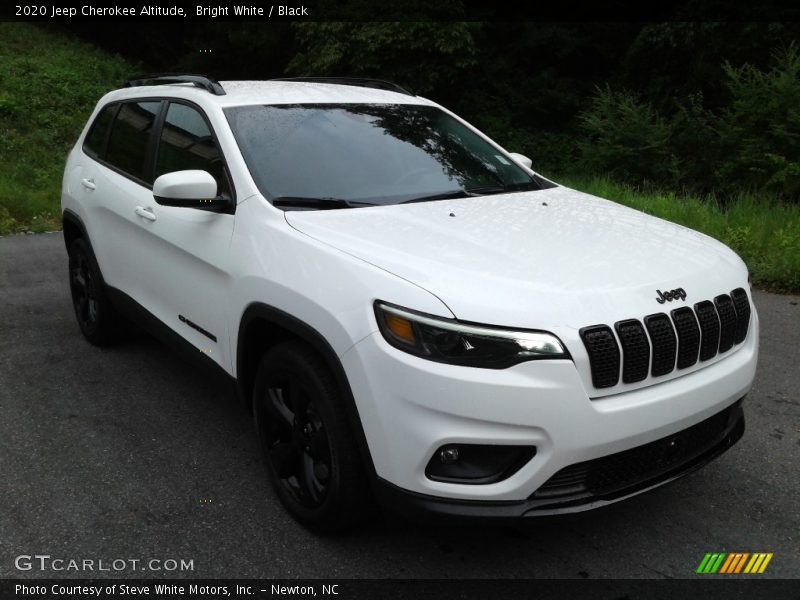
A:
(439, 196)
(318, 203)
(484, 191)
(469, 193)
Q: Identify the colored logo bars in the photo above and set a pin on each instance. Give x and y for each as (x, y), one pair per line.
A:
(735, 562)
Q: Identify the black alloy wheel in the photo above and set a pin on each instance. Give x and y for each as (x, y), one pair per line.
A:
(311, 457)
(297, 440)
(84, 292)
(98, 320)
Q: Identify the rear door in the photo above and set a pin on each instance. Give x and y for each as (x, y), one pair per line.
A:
(116, 186)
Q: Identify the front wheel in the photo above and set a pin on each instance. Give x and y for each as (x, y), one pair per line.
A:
(310, 454)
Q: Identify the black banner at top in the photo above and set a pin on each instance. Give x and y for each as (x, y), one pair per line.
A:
(62, 11)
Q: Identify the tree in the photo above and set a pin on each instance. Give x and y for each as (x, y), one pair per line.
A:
(422, 56)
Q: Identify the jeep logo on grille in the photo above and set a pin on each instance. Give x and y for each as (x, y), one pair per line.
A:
(676, 294)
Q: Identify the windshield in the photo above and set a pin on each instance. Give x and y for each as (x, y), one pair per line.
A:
(351, 155)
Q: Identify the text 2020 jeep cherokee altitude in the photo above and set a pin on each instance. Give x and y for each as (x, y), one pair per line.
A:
(411, 313)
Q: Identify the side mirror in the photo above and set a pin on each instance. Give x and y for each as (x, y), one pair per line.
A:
(521, 159)
(189, 189)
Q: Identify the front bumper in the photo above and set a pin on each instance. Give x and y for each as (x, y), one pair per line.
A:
(423, 507)
(410, 407)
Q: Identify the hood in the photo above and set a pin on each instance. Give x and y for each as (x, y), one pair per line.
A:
(543, 260)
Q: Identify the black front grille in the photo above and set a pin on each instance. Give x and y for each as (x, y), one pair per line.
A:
(644, 465)
(603, 353)
(636, 349)
(664, 344)
(709, 329)
(688, 336)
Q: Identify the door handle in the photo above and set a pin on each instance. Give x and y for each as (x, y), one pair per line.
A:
(145, 213)
(88, 184)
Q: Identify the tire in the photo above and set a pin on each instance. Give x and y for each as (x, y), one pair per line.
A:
(310, 454)
(98, 320)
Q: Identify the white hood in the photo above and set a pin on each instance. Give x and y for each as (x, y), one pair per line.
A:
(548, 259)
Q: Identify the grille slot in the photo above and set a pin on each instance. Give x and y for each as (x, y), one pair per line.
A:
(688, 336)
(709, 328)
(727, 320)
(664, 343)
(603, 354)
(635, 349)
(566, 482)
(742, 306)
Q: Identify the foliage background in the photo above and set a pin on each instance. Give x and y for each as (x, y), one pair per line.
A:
(708, 107)
(708, 111)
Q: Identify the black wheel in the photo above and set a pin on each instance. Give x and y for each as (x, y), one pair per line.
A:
(311, 457)
(99, 322)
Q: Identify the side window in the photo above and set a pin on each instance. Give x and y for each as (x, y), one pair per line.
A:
(187, 143)
(95, 142)
(127, 147)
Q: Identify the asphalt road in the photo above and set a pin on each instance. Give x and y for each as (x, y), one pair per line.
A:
(130, 453)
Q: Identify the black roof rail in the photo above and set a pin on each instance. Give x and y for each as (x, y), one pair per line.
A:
(378, 84)
(201, 81)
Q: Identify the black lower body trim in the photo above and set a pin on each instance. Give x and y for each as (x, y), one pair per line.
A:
(136, 313)
(423, 507)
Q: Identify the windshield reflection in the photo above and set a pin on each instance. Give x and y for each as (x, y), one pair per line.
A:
(369, 153)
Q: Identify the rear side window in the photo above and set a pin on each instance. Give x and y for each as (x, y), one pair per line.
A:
(130, 136)
(95, 142)
(187, 143)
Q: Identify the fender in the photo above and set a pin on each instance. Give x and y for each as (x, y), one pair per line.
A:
(284, 324)
(70, 219)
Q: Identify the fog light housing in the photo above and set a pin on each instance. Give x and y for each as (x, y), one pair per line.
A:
(448, 454)
(477, 464)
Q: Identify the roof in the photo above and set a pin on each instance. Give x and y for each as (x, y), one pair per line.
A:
(243, 93)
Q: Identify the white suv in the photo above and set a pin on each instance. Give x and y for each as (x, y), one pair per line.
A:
(410, 311)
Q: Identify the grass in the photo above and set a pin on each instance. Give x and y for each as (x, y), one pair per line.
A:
(49, 84)
(764, 232)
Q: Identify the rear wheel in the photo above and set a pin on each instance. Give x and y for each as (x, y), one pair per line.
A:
(99, 322)
(310, 454)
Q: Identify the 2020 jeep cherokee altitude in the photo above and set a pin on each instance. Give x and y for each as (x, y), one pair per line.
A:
(410, 311)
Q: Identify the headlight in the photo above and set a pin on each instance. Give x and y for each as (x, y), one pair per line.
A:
(450, 341)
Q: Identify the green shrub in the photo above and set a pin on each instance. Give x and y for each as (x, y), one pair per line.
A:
(760, 129)
(49, 84)
(753, 144)
(626, 138)
(694, 141)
